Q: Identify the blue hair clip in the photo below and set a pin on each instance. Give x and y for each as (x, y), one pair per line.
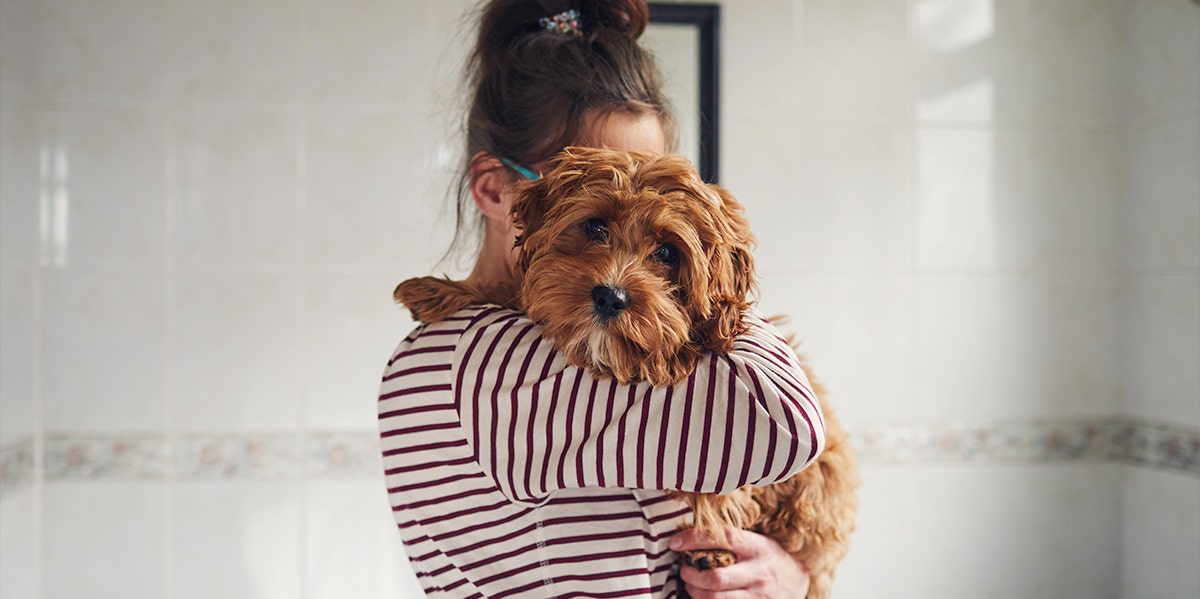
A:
(524, 172)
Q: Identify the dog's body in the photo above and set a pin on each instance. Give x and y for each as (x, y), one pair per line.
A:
(635, 268)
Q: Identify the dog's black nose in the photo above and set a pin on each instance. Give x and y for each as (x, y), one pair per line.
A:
(608, 301)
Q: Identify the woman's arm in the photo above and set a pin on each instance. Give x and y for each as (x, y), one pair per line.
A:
(537, 424)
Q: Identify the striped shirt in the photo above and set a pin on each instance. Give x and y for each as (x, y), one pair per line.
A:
(511, 473)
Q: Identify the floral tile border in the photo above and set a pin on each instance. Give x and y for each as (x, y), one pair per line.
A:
(269, 456)
(357, 454)
(105, 457)
(17, 466)
(1166, 447)
(1145, 444)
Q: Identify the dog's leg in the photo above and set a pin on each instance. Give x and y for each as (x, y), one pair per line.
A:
(431, 299)
(712, 514)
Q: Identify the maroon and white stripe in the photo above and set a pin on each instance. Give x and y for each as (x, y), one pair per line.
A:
(511, 473)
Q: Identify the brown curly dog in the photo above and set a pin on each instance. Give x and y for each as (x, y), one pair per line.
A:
(635, 268)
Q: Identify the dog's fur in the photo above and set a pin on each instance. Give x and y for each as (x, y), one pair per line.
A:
(681, 250)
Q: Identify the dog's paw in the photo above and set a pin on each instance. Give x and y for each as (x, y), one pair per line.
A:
(708, 559)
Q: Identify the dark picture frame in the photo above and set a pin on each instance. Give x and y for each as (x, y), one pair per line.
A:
(707, 19)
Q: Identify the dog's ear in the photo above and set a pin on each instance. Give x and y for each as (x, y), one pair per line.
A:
(430, 299)
(535, 199)
(731, 275)
(719, 276)
(741, 246)
(528, 213)
(529, 208)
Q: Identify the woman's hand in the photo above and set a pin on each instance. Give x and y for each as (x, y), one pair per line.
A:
(763, 569)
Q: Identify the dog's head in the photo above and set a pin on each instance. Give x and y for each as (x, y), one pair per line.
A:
(632, 263)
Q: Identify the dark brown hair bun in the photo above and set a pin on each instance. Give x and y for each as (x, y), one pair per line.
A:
(504, 22)
(625, 17)
(535, 90)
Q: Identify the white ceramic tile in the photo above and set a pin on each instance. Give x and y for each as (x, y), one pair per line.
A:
(855, 332)
(1162, 205)
(796, 295)
(236, 51)
(368, 55)
(1017, 347)
(1161, 329)
(1077, 334)
(444, 16)
(237, 539)
(352, 547)
(857, 60)
(972, 198)
(988, 532)
(351, 325)
(972, 64)
(367, 195)
(237, 361)
(104, 344)
(110, 51)
(18, 327)
(434, 118)
(882, 547)
(436, 210)
(107, 179)
(857, 208)
(1163, 70)
(762, 172)
(443, 98)
(757, 45)
(1073, 56)
(1160, 534)
(18, 542)
(19, 187)
(237, 187)
(104, 539)
(1075, 184)
(18, 44)
(763, 177)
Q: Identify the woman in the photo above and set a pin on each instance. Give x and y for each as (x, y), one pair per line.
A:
(513, 474)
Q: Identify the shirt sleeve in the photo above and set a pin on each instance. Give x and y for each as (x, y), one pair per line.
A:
(538, 425)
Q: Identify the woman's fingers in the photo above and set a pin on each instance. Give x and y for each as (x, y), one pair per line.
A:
(763, 568)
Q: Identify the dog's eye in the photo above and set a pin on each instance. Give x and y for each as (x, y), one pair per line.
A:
(596, 229)
(667, 254)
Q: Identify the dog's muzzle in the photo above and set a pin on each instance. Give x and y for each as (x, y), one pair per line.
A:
(608, 301)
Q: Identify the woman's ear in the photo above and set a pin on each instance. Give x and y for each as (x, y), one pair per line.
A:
(489, 179)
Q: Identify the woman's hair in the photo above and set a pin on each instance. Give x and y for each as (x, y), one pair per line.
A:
(533, 90)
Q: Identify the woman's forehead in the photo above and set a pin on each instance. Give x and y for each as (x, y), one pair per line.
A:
(628, 131)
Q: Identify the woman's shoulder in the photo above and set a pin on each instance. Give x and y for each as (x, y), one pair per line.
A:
(466, 320)
(474, 319)
(487, 315)
(437, 342)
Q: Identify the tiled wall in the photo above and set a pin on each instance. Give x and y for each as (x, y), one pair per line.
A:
(1161, 208)
(983, 217)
